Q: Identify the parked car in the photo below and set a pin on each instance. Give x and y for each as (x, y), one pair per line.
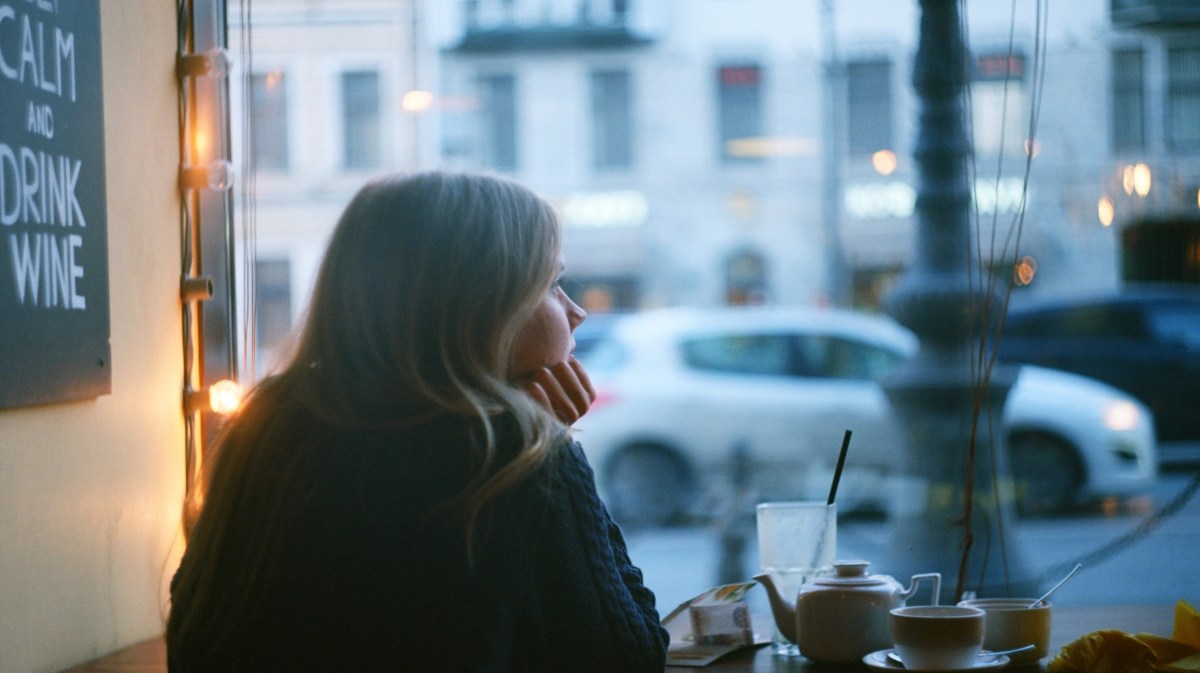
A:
(1143, 339)
(681, 391)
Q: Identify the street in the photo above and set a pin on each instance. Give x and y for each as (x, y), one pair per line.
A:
(1157, 567)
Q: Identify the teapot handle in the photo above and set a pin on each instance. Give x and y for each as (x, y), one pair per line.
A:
(936, 578)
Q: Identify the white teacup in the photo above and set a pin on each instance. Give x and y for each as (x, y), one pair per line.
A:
(1011, 623)
(937, 637)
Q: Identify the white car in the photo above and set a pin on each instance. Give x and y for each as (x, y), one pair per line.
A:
(681, 392)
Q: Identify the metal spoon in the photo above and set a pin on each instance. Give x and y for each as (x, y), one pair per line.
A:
(986, 656)
(1056, 586)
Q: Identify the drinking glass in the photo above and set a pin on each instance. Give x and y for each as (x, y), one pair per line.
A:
(796, 542)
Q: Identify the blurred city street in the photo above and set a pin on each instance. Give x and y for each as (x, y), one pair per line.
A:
(680, 563)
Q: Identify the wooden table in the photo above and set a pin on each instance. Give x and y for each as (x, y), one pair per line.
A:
(1067, 624)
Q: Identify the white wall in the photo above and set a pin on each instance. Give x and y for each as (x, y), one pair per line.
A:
(90, 492)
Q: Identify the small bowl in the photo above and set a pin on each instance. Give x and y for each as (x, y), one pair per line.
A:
(1011, 623)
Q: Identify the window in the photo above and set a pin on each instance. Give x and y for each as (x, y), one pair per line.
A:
(998, 106)
(1183, 98)
(760, 354)
(272, 301)
(361, 142)
(269, 121)
(1128, 111)
(746, 278)
(499, 121)
(869, 106)
(1175, 323)
(611, 123)
(739, 99)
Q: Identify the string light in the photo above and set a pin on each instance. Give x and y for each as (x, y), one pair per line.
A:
(223, 397)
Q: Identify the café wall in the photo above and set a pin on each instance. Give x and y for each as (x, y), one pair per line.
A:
(90, 491)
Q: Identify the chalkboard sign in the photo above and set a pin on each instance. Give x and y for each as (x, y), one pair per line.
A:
(54, 320)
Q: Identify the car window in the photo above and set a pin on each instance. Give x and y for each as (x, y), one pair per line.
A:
(1175, 323)
(1100, 322)
(763, 354)
(599, 355)
(841, 358)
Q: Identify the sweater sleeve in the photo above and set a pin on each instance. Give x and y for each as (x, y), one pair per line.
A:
(587, 609)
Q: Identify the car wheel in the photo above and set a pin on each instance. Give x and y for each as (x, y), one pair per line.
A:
(647, 485)
(1046, 472)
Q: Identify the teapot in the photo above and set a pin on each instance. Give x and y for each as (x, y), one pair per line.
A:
(844, 617)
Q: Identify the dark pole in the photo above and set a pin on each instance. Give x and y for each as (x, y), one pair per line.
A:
(938, 397)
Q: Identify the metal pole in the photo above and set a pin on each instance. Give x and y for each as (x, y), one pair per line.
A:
(836, 285)
(953, 497)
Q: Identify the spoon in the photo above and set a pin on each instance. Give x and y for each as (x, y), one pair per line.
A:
(986, 655)
(1056, 586)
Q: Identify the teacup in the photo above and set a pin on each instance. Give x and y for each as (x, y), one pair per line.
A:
(937, 637)
(1011, 623)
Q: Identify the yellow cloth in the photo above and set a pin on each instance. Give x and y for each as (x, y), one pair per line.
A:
(1111, 651)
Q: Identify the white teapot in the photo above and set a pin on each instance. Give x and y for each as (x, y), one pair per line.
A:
(844, 617)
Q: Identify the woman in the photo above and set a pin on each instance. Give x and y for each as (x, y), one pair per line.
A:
(404, 495)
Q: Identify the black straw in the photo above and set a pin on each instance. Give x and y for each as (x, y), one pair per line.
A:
(837, 473)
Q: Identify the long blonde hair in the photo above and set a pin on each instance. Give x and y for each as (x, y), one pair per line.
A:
(422, 290)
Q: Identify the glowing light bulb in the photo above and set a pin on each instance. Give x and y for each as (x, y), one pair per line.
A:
(225, 397)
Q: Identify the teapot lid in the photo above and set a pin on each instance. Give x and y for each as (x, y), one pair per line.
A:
(852, 573)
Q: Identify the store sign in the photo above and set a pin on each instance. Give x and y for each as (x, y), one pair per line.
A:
(54, 319)
(898, 200)
(605, 209)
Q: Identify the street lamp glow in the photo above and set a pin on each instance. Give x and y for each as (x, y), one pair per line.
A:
(416, 100)
(1024, 270)
(1105, 211)
(884, 162)
(1141, 179)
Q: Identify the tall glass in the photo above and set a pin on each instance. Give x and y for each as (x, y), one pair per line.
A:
(796, 541)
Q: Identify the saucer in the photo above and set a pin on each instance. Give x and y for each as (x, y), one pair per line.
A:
(880, 662)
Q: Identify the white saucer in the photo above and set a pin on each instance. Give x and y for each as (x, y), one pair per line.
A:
(880, 662)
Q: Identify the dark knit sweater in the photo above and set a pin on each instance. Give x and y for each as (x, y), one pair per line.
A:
(366, 581)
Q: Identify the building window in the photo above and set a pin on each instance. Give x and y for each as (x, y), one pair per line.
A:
(361, 141)
(1183, 98)
(740, 100)
(269, 131)
(1128, 113)
(272, 302)
(499, 121)
(746, 279)
(869, 106)
(998, 105)
(611, 120)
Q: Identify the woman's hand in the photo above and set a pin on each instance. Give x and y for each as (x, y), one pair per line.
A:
(564, 389)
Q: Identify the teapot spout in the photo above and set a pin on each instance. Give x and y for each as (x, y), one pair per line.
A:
(783, 610)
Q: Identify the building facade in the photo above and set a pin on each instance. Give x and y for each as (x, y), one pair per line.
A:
(717, 151)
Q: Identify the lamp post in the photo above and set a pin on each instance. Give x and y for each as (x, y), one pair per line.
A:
(951, 507)
(837, 286)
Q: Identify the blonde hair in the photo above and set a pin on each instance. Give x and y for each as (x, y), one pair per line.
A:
(417, 304)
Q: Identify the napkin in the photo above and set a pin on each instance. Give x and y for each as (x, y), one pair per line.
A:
(723, 618)
(1116, 651)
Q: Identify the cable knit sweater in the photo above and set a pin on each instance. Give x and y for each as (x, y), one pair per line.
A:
(365, 580)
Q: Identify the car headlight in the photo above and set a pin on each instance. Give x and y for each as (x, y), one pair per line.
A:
(1122, 416)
